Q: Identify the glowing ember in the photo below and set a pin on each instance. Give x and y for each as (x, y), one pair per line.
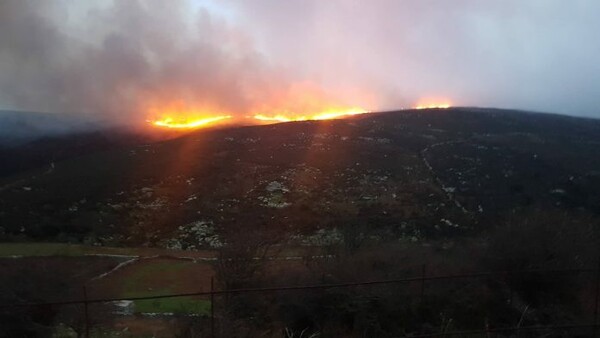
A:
(325, 115)
(188, 123)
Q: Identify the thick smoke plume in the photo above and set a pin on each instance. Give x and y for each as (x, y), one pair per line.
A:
(124, 61)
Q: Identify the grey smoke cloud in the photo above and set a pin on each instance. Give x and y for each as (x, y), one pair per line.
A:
(122, 57)
(116, 59)
(535, 54)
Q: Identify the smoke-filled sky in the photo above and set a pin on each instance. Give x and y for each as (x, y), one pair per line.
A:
(131, 59)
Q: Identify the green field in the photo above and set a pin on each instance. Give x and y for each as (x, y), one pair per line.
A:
(62, 249)
(163, 277)
(150, 278)
(30, 249)
(176, 305)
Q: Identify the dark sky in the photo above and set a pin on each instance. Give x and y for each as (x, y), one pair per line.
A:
(125, 59)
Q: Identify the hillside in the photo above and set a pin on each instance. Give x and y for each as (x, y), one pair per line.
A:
(407, 174)
(390, 195)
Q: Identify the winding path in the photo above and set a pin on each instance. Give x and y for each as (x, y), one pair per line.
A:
(449, 194)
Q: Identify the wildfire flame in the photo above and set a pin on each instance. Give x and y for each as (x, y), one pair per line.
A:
(193, 123)
(179, 114)
(443, 105)
(325, 115)
(298, 102)
(188, 123)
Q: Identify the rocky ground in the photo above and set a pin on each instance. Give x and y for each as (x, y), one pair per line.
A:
(407, 174)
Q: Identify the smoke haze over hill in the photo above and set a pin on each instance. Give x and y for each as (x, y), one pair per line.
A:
(126, 60)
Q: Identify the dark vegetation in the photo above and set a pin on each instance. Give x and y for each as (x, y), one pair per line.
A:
(528, 241)
(45, 151)
(381, 196)
(34, 280)
(424, 174)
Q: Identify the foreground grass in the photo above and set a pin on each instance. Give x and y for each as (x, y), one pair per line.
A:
(63, 331)
(176, 305)
(158, 275)
(163, 277)
(61, 249)
(32, 249)
(42, 249)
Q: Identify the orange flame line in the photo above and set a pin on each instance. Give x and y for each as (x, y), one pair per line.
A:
(170, 122)
(321, 116)
(433, 106)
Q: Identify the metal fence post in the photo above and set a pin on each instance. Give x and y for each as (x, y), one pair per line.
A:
(595, 321)
(212, 307)
(511, 283)
(85, 311)
(422, 283)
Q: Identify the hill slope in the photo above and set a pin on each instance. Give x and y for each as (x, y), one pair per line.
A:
(410, 174)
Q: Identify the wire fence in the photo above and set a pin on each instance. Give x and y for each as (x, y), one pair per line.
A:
(592, 327)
